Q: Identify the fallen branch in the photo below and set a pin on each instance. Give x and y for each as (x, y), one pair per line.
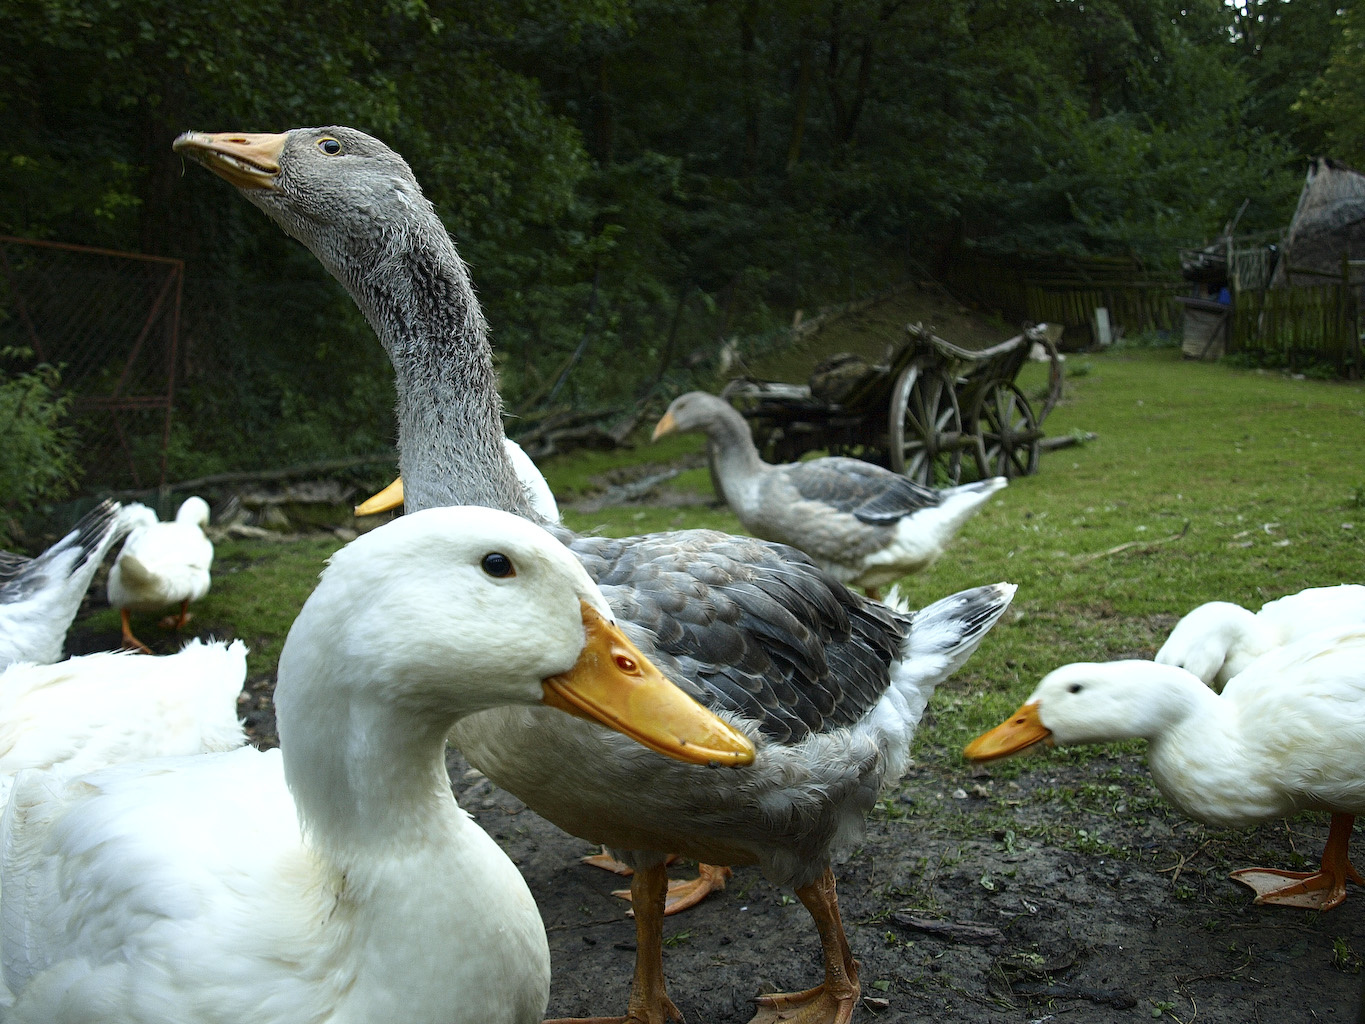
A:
(1051, 444)
(1183, 859)
(262, 475)
(964, 933)
(1118, 1000)
(1145, 544)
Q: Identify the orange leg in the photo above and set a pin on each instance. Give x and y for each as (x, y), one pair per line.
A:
(649, 1002)
(178, 621)
(607, 862)
(684, 894)
(130, 642)
(833, 1001)
(1317, 890)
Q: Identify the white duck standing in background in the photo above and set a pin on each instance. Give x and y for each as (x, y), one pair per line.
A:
(1286, 735)
(102, 709)
(161, 565)
(862, 523)
(1219, 639)
(335, 879)
(39, 597)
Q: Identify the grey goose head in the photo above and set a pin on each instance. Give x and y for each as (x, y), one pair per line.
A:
(342, 193)
(699, 411)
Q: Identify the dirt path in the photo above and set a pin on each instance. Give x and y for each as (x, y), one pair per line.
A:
(1059, 933)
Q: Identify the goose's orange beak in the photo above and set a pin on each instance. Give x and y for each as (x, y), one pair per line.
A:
(390, 497)
(1021, 730)
(613, 684)
(244, 159)
(666, 425)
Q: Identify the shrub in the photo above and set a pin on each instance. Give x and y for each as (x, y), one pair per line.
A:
(37, 458)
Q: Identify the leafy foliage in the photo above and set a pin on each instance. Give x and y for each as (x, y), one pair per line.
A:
(38, 459)
(636, 181)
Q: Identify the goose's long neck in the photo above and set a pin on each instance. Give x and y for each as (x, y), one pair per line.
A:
(732, 446)
(417, 295)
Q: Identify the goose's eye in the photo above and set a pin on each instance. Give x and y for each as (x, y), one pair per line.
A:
(495, 563)
(1075, 688)
(330, 146)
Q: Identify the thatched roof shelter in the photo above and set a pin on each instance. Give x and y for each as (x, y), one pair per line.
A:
(1328, 223)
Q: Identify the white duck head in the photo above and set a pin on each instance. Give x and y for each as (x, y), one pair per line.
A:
(460, 609)
(1096, 702)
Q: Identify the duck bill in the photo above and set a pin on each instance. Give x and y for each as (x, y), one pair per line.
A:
(389, 498)
(1021, 730)
(249, 160)
(666, 425)
(613, 684)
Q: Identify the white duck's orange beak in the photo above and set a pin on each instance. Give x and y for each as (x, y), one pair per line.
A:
(1021, 730)
(244, 159)
(390, 497)
(613, 684)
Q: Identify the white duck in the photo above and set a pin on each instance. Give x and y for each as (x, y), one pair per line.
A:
(39, 597)
(1285, 735)
(831, 684)
(101, 709)
(863, 524)
(1219, 639)
(334, 879)
(162, 564)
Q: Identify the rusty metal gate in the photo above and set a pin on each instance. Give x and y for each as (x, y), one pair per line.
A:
(110, 322)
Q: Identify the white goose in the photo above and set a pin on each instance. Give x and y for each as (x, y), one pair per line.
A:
(863, 524)
(1286, 735)
(39, 597)
(1219, 639)
(334, 879)
(162, 564)
(830, 685)
(102, 709)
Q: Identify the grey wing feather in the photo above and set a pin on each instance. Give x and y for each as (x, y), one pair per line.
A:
(873, 494)
(749, 626)
(12, 567)
(21, 577)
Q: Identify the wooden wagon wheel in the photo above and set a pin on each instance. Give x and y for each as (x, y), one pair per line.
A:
(1009, 440)
(925, 428)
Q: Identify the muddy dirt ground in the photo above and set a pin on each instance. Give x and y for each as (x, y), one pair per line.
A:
(1049, 933)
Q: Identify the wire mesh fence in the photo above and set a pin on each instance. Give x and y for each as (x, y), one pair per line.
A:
(109, 321)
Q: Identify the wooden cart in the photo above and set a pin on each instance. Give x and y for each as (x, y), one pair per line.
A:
(932, 405)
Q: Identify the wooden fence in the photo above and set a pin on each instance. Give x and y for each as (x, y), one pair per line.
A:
(1296, 326)
(1300, 326)
(1068, 290)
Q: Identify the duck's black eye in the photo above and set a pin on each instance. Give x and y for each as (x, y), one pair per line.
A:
(329, 145)
(495, 563)
(1075, 688)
